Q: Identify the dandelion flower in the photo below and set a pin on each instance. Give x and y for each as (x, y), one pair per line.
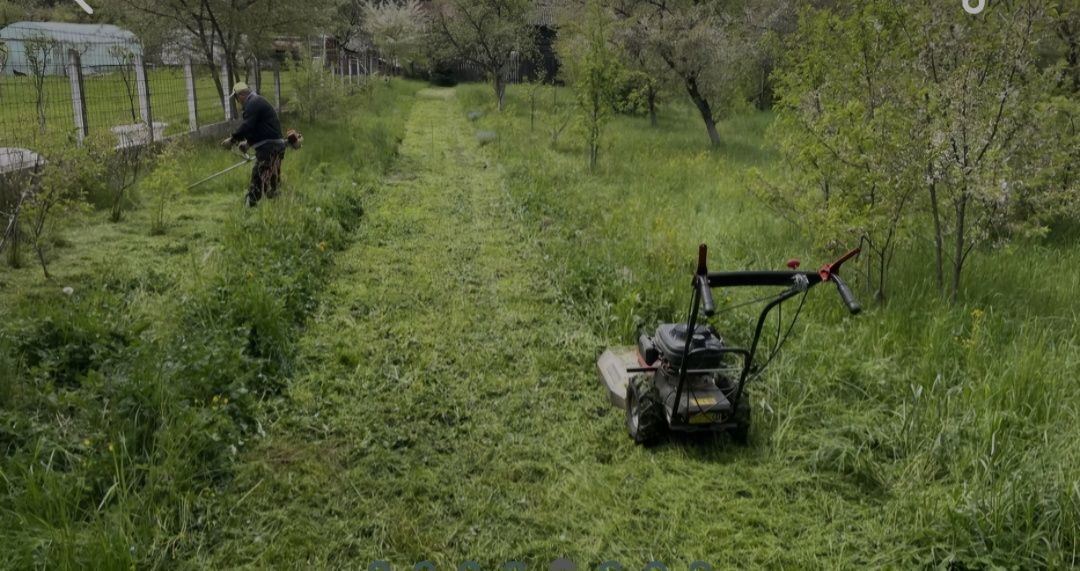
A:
(68, 290)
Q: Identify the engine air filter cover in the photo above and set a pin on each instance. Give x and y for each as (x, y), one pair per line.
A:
(706, 349)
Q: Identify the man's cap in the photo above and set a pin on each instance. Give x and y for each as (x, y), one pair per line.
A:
(240, 86)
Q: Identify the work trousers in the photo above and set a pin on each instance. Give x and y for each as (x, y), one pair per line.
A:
(266, 174)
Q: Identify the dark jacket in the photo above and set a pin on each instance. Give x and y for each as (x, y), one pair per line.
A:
(260, 121)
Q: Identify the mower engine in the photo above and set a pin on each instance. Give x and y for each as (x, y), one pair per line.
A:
(706, 347)
(705, 403)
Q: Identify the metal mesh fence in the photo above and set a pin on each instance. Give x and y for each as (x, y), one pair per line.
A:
(112, 99)
(168, 99)
(61, 83)
(209, 101)
(34, 95)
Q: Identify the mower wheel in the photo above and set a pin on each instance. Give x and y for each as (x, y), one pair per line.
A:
(644, 411)
(740, 433)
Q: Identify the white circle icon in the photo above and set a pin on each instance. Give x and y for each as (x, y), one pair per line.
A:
(977, 8)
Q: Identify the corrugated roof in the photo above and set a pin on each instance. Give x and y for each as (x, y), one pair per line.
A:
(544, 14)
(65, 31)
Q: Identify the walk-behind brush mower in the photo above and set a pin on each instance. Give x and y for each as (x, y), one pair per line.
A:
(680, 381)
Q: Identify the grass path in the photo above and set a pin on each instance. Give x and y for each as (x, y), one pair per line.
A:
(448, 410)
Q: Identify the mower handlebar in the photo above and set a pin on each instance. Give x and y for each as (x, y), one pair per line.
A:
(706, 295)
(845, 294)
(829, 272)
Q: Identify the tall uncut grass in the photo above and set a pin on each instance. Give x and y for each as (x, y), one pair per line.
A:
(956, 424)
(124, 404)
(415, 423)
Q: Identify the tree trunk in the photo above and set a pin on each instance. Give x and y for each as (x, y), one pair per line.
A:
(12, 235)
(37, 232)
(500, 89)
(882, 271)
(958, 260)
(14, 259)
(1074, 62)
(208, 53)
(703, 107)
(762, 89)
(594, 132)
(39, 86)
(41, 258)
(1071, 37)
(652, 106)
(217, 81)
(939, 239)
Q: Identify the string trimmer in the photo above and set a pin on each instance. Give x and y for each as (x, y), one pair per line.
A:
(293, 139)
(247, 159)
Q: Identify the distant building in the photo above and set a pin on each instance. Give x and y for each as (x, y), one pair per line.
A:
(100, 46)
(180, 45)
(545, 22)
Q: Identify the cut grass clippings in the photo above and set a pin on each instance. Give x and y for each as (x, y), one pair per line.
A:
(448, 410)
(128, 400)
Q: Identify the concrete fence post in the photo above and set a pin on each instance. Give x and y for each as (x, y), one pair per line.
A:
(192, 100)
(226, 88)
(144, 97)
(256, 76)
(277, 85)
(78, 96)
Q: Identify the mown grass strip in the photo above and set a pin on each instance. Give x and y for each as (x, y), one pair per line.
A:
(127, 403)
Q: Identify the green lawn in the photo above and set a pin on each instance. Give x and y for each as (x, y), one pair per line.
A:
(396, 361)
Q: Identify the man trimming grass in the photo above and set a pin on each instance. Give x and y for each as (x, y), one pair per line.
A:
(261, 132)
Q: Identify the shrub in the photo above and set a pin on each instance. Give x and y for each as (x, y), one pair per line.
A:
(317, 92)
(163, 185)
